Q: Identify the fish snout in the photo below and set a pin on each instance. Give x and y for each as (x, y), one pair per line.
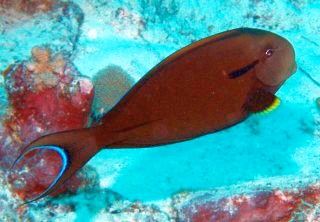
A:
(294, 68)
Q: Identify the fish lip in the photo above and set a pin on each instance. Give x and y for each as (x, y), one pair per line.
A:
(275, 88)
(294, 68)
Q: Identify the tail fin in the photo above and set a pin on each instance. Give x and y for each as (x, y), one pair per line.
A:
(75, 148)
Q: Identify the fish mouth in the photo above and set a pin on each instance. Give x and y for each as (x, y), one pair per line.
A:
(294, 68)
(274, 89)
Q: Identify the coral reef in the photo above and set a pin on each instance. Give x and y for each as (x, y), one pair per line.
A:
(124, 210)
(46, 95)
(110, 84)
(127, 18)
(29, 7)
(157, 27)
(296, 204)
(10, 212)
(63, 19)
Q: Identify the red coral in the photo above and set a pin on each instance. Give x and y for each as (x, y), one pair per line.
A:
(269, 206)
(46, 95)
(29, 6)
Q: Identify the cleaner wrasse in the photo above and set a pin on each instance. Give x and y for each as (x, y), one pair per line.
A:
(205, 87)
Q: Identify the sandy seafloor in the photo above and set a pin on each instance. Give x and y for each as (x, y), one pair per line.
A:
(280, 148)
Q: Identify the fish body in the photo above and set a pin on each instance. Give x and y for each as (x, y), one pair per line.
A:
(207, 86)
(193, 92)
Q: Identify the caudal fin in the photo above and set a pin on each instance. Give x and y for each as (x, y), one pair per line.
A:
(75, 149)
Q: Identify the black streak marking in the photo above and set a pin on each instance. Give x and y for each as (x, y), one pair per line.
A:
(243, 70)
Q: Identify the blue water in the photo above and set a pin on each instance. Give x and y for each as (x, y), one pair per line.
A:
(282, 144)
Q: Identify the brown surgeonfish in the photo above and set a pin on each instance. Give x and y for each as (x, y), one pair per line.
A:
(207, 86)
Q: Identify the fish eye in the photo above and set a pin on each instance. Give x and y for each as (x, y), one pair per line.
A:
(269, 52)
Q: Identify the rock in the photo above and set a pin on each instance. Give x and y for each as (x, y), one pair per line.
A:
(57, 23)
(46, 94)
(272, 206)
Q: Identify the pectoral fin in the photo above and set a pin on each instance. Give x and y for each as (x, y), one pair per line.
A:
(261, 102)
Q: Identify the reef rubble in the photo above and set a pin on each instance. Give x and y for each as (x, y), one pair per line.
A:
(46, 94)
